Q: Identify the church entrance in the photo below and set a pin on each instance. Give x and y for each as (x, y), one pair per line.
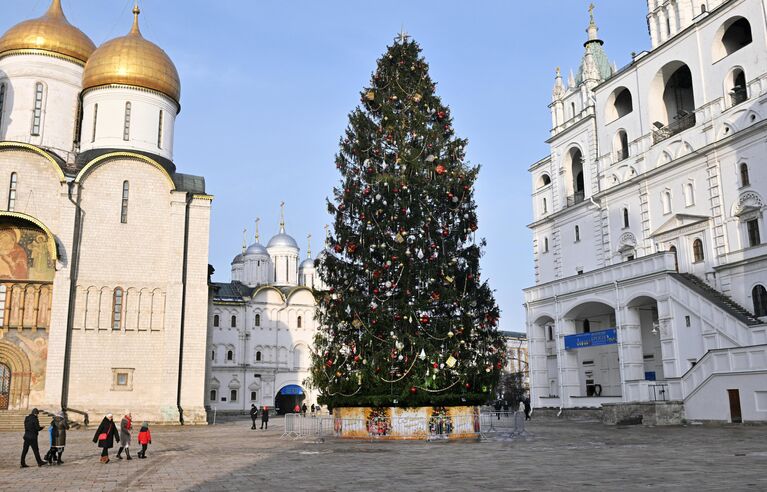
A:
(5, 386)
(287, 399)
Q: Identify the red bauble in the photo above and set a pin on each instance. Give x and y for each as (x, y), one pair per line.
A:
(441, 115)
(440, 169)
(435, 365)
(425, 319)
(351, 248)
(329, 362)
(445, 233)
(338, 248)
(468, 386)
(356, 358)
(413, 390)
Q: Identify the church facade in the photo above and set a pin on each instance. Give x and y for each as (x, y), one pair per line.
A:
(261, 328)
(104, 244)
(648, 227)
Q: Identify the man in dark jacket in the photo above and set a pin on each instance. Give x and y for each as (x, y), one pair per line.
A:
(253, 415)
(265, 418)
(31, 428)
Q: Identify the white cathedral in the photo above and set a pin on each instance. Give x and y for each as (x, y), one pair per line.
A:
(261, 328)
(648, 227)
(103, 243)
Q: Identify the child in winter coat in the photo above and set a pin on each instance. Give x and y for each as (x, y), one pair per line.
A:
(144, 438)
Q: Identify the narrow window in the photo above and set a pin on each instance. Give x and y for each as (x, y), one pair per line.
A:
(117, 308)
(703, 8)
(230, 355)
(586, 326)
(253, 396)
(126, 124)
(668, 26)
(159, 132)
(689, 194)
(37, 114)
(577, 234)
(759, 296)
(697, 250)
(233, 395)
(298, 322)
(753, 232)
(95, 121)
(2, 103)
(124, 208)
(213, 395)
(666, 202)
(258, 356)
(545, 206)
(12, 193)
(572, 106)
(550, 333)
(258, 320)
(234, 321)
(744, 180)
(625, 217)
(215, 321)
(3, 293)
(212, 355)
(545, 245)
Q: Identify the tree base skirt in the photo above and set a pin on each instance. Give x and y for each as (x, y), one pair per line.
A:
(398, 423)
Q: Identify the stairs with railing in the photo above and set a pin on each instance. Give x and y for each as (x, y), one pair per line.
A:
(720, 300)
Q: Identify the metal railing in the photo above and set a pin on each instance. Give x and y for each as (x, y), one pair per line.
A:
(621, 154)
(576, 198)
(682, 122)
(658, 392)
(738, 95)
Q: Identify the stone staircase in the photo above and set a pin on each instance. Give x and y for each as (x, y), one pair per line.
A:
(13, 420)
(717, 298)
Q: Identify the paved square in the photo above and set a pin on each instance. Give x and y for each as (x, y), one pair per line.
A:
(558, 456)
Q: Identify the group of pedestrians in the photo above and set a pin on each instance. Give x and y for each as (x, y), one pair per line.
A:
(264, 417)
(106, 435)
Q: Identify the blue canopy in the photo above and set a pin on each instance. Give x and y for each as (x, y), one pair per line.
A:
(292, 389)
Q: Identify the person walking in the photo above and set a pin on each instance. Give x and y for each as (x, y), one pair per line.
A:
(297, 409)
(304, 409)
(253, 415)
(126, 424)
(105, 436)
(144, 438)
(265, 418)
(59, 427)
(528, 407)
(498, 409)
(31, 429)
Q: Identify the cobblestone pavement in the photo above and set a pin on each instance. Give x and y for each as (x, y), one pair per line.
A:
(556, 456)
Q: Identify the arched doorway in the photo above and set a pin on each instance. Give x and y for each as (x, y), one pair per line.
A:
(672, 249)
(288, 397)
(591, 350)
(5, 386)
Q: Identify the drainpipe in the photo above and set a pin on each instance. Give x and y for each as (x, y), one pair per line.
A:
(189, 198)
(74, 262)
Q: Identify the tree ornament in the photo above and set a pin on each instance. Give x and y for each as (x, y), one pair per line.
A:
(440, 169)
(413, 390)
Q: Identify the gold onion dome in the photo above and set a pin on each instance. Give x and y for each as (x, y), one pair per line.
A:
(133, 61)
(50, 33)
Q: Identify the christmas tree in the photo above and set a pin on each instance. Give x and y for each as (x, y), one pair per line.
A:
(406, 320)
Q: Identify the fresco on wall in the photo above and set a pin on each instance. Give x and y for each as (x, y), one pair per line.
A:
(25, 254)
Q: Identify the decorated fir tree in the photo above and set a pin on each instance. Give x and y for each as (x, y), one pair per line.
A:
(406, 319)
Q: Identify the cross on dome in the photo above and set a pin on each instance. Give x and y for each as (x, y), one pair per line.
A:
(309, 246)
(258, 236)
(282, 217)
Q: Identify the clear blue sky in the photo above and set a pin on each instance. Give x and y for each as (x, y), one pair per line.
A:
(267, 87)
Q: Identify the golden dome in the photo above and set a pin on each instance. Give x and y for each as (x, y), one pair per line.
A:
(134, 61)
(52, 33)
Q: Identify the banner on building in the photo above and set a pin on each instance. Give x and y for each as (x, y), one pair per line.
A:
(593, 339)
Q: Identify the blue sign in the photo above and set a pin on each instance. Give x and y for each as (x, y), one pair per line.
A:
(292, 389)
(593, 339)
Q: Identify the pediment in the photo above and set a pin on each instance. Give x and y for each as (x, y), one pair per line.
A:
(679, 221)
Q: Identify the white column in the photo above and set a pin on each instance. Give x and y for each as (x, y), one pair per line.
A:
(569, 378)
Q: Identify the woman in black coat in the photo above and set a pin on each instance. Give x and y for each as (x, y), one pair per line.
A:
(105, 436)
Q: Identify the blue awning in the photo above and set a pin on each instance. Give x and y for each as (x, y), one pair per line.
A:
(292, 389)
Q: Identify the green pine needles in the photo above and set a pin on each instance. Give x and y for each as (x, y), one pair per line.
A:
(405, 320)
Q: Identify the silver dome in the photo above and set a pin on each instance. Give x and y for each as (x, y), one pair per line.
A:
(282, 240)
(307, 263)
(237, 259)
(256, 249)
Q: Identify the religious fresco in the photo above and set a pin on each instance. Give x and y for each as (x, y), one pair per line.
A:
(25, 254)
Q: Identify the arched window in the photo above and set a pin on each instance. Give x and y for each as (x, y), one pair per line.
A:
(159, 131)
(258, 320)
(697, 250)
(545, 245)
(216, 321)
(37, 114)
(672, 101)
(12, 192)
(124, 208)
(544, 181)
(744, 180)
(586, 326)
(95, 121)
(229, 355)
(577, 234)
(689, 194)
(621, 145)
(619, 104)
(234, 321)
(213, 395)
(736, 36)
(258, 356)
(666, 202)
(703, 8)
(233, 395)
(117, 308)
(752, 228)
(576, 175)
(126, 122)
(2, 103)
(759, 296)
(298, 322)
(572, 107)
(672, 249)
(545, 206)
(625, 217)
(736, 87)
